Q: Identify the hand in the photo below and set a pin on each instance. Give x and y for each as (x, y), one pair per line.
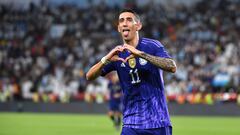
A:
(133, 50)
(113, 54)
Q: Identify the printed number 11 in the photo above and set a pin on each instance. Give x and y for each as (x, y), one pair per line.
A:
(135, 76)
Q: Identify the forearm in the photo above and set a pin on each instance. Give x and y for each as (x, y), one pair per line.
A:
(95, 71)
(166, 64)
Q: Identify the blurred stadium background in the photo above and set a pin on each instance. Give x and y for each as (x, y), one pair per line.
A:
(46, 47)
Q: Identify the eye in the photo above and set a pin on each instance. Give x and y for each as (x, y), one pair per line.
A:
(129, 19)
(121, 20)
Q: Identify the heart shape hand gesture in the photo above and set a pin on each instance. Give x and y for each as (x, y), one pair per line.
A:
(113, 54)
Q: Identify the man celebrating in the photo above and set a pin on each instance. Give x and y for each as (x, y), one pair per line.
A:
(139, 63)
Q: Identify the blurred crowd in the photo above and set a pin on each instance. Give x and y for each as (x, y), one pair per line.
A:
(46, 50)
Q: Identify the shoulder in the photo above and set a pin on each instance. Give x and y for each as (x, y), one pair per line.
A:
(152, 42)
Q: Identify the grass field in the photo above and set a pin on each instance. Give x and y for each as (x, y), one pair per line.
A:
(77, 124)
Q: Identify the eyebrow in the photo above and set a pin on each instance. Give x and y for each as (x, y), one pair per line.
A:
(127, 18)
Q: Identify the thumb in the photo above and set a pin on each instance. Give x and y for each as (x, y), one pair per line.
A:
(129, 57)
(117, 58)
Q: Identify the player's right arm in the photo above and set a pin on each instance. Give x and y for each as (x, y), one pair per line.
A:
(96, 70)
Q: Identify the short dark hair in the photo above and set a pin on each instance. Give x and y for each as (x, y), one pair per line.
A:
(131, 11)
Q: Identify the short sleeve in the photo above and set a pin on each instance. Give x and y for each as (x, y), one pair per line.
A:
(160, 50)
(108, 68)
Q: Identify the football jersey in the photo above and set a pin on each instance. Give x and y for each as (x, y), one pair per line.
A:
(114, 89)
(144, 102)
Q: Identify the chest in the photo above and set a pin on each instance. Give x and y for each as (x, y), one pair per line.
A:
(135, 70)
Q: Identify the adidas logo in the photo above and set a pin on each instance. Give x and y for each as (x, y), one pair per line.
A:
(123, 65)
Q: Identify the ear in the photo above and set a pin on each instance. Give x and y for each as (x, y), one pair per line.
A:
(139, 26)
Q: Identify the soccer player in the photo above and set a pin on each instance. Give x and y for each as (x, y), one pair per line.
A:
(115, 100)
(140, 63)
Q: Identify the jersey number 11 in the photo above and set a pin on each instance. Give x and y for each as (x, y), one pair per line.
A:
(135, 76)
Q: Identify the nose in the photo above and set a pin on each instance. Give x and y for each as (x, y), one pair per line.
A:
(125, 23)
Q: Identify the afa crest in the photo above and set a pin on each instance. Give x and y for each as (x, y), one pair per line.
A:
(142, 61)
(132, 62)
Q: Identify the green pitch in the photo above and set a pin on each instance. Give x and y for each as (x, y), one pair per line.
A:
(77, 124)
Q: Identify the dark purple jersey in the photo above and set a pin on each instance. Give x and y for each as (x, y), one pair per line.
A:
(115, 102)
(144, 102)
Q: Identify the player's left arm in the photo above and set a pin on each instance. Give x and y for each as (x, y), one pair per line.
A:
(166, 64)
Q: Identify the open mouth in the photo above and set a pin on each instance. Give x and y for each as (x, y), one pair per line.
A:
(125, 32)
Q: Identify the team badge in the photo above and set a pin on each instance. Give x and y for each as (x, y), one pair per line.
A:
(142, 61)
(132, 62)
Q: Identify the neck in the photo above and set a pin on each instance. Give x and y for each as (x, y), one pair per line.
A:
(133, 42)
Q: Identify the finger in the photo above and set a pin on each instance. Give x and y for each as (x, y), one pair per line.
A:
(119, 47)
(127, 49)
(117, 50)
(120, 59)
(129, 57)
(122, 49)
(116, 58)
(126, 45)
